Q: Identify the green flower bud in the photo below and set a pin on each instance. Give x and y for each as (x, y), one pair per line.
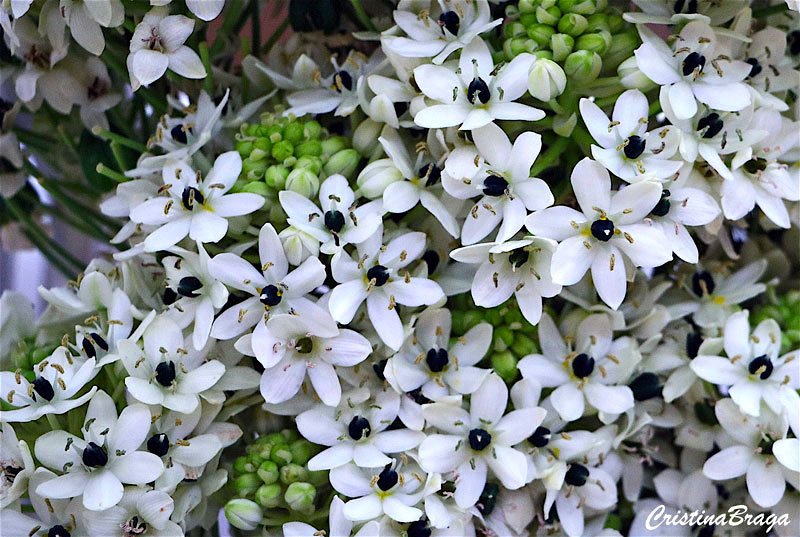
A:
(523, 345)
(505, 365)
(504, 334)
(631, 77)
(621, 47)
(344, 162)
(378, 175)
(246, 484)
(514, 29)
(249, 165)
(243, 514)
(527, 6)
(563, 125)
(280, 454)
(365, 137)
(275, 176)
(334, 145)
(597, 22)
(257, 187)
(294, 132)
(572, 24)
(303, 181)
(583, 7)
(313, 164)
(300, 497)
(250, 130)
(282, 150)
(566, 5)
(561, 45)
(263, 144)
(528, 19)
(312, 129)
(543, 54)
(616, 23)
(268, 496)
(293, 472)
(241, 465)
(597, 42)
(311, 148)
(268, 472)
(548, 16)
(302, 451)
(546, 80)
(582, 66)
(244, 147)
(472, 318)
(319, 478)
(541, 33)
(547, 4)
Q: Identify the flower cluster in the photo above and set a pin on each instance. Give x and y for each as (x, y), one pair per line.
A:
(448, 283)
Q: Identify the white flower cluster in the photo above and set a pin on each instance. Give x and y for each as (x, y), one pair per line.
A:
(331, 299)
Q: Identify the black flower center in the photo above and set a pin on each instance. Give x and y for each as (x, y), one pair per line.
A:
(518, 257)
(478, 90)
(693, 342)
(420, 528)
(602, 229)
(58, 531)
(488, 498)
(705, 414)
(680, 4)
(169, 296)
(43, 387)
(634, 147)
(304, 345)
(94, 456)
(583, 365)
(693, 61)
(494, 185)
(663, 205)
(540, 437)
(359, 428)
(190, 196)
(270, 296)
(431, 258)
(712, 125)
(379, 273)
(178, 133)
(645, 386)
(756, 67)
(387, 478)
(158, 444)
(342, 79)
(88, 348)
(449, 21)
(436, 359)
(379, 369)
(431, 173)
(479, 439)
(334, 220)
(188, 285)
(794, 42)
(702, 283)
(755, 165)
(165, 373)
(762, 366)
(577, 474)
(99, 341)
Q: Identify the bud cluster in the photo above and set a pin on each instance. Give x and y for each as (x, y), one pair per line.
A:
(273, 475)
(583, 36)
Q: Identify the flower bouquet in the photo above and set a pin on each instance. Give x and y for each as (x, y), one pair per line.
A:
(404, 268)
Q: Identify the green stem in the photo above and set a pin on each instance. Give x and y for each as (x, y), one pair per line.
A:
(76, 206)
(35, 139)
(208, 81)
(119, 157)
(655, 108)
(122, 140)
(549, 156)
(362, 15)
(770, 10)
(605, 101)
(62, 132)
(55, 425)
(584, 139)
(84, 226)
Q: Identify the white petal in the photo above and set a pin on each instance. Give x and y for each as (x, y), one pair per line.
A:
(729, 463)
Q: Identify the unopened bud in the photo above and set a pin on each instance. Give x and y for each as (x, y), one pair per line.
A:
(246, 484)
(312, 129)
(561, 45)
(631, 77)
(505, 365)
(303, 181)
(597, 42)
(597, 22)
(378, 175)
(280, 454)
(268, 472)
(523, 345)
(546, 80)
(548, 16)
(282, 150)
(302, 451)
(365, 137)
(582, 66)
(333, 145)
(572, 24)
(528, 6)
(257, 187)
(514, 29)
(343, 162)
(541, 33)
(311, 148)
(293, 472)
(268, 496)
(314, 164)
(243, 514)
(620, 48)
(300, 497)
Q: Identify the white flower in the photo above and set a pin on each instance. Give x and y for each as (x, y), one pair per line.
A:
(393, 493)
(198, 295)
(86, 21)
(761, 452)
(339, 222)
(520, 268)
(458, 24)
(140, 511)
(206, 10)
(588, 370)
(375, 276)
(694, 69)
(97, 465)
(16, 466)
(718, 291)
(771, 70)
(9, 11)
(546, 80)
(356, 431)
(164, 372)
(503, 175)
(476, 94)
(338, 524)
(753, 369)
(609, 231)
(582, 487)
(193, 207)
(17, 322)
(290, 347)
(59, 378)
(477, 440)
(627, 149)
(428, 360)
(272, 289)
(671, 12)
(157, 44)
(96, 96)
(50, 515)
